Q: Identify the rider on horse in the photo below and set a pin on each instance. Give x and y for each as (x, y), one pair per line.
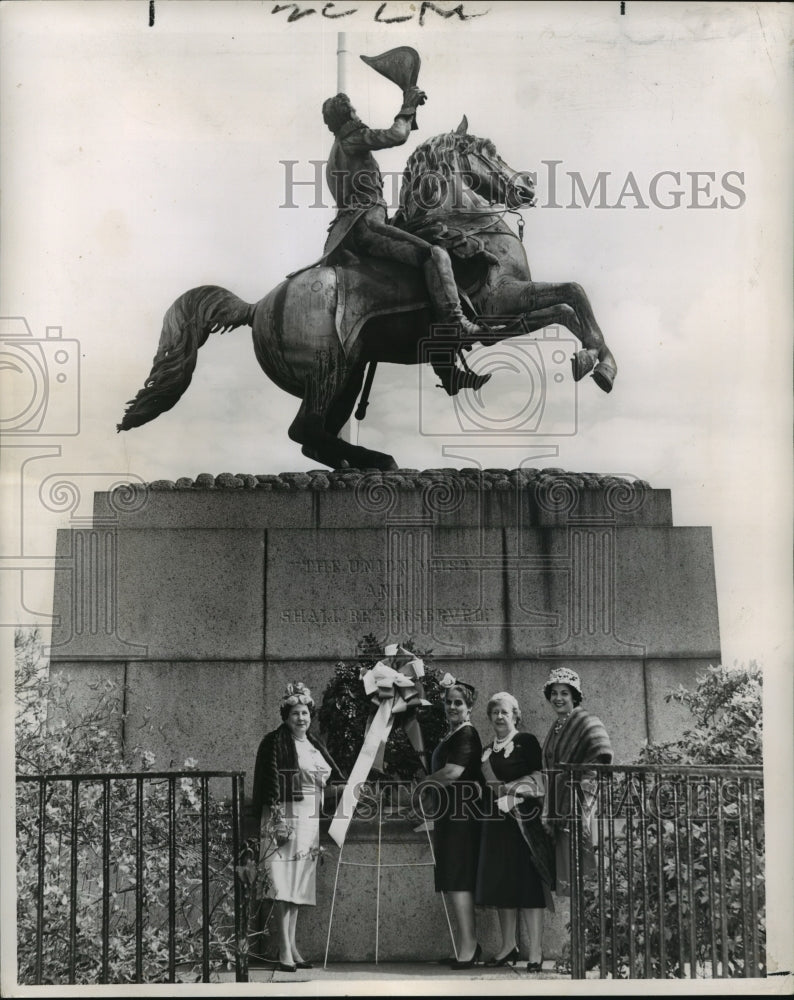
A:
(362, 225)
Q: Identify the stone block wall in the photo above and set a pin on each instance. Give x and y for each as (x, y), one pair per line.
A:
(205, 598)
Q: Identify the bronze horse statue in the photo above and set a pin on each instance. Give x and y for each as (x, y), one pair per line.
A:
(315, 333)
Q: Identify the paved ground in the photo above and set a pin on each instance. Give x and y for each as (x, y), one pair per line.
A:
(433, 971)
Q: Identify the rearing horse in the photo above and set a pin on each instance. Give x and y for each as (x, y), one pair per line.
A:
(315, 333)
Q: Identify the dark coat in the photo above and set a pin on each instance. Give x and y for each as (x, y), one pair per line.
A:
(352, 171)
(354, 177)
(528, 815)
(276, 770)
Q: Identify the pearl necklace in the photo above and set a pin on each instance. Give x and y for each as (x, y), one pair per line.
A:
(561, 722)
(500, 744)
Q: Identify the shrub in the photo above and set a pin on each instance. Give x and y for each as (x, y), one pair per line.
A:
(55, 735)
(711, 880)
(726, 706)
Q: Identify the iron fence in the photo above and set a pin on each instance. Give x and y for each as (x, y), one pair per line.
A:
(667, 871)
(129, 877)
(133, 877)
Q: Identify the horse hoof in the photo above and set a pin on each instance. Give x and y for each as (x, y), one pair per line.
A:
(582, 363)
(604, 376)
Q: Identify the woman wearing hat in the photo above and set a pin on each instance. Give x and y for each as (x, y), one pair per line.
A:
(455, 776)
(516, 867)
(576, 737)
(291, 771)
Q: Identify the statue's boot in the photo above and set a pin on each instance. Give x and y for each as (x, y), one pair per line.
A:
(454, 379)
(443, 293)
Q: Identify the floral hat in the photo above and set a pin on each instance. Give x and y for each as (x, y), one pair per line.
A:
(297, 694)
(562, 675)
(448, 681)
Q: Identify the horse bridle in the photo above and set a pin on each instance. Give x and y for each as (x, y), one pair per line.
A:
(464, 157)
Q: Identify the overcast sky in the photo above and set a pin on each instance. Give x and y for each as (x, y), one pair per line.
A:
(138, 162)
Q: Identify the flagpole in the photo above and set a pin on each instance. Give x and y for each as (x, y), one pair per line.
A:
(346, 434)
(341, 62)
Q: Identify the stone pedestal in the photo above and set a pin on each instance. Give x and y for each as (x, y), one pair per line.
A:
(203, 599)
(402, 915)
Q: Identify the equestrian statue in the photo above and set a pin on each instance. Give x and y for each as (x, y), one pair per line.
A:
(448, 271)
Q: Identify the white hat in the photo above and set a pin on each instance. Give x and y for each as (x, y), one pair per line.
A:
(563, 675)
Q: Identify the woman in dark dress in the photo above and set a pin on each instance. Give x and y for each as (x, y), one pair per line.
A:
(516, 858)
(455, 779)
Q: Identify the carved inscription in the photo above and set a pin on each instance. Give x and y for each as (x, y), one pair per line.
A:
(327, 588)
(377, 616)
(377, 570)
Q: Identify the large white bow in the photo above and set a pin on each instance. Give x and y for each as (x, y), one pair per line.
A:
(393, 692)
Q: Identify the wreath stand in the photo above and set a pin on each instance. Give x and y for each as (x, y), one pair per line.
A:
(379, 864)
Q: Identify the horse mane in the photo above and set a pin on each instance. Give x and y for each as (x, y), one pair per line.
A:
(438, 157)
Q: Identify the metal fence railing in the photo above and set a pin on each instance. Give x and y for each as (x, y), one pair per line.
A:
(673, 884)
(133, 877)
(129, 877)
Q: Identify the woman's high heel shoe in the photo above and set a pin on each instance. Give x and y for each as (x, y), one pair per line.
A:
(509, 959)
(535, 966)
(475, 958)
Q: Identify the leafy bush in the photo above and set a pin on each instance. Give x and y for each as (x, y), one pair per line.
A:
(346, 709)
(709, 888)
(55, 735)
(726, 706)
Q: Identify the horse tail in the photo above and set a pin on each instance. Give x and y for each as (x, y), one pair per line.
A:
(186, 326)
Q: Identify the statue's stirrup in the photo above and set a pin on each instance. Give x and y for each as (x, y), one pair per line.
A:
(470, 330)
